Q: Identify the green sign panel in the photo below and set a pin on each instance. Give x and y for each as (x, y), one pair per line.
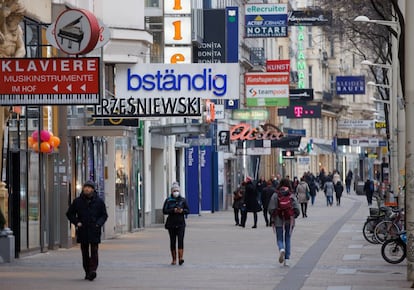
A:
(250, 114)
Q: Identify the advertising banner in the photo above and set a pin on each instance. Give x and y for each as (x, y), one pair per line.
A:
(194, 157)
(267, 89)
(266, 20)
(213, 47)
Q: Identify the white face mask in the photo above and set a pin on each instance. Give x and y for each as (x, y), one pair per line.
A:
(175, 193)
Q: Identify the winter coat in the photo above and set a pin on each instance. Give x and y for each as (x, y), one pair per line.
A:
(238, 198)
(273, 205)
(339, 188)
(336, 177)
(266, 195)
(328, 188)
(251, 198)
(91, 212)
(301, 190)
(175, 220)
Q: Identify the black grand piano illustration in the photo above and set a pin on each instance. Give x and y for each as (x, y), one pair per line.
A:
(72, 32)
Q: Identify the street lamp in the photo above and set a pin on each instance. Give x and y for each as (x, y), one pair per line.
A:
(394, 148)
(392, 138)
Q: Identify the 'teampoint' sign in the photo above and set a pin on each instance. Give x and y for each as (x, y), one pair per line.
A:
(49, 81)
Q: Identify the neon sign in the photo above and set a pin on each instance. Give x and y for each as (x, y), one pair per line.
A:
(300, 60)
(245, 131)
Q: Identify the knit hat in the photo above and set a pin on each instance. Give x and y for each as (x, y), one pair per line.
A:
(89, 183)
(175, 187)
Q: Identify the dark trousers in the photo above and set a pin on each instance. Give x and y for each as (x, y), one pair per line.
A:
(304, 208)
(266, 216)
(176, 234)
(236, 215)
(89, 258)
(244, 218)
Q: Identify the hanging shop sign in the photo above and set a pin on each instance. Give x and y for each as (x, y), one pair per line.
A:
(266, 20)
(278, 65)
(355, 124)
(134, 107)
(49, 81)
(267, 89)
(76, 31)
(301, 112)
(300, 58)
(310, 17)
(350, 85)
(300, 95)
(169, 81)
(177, 31)
(244, 131)
(249, 114)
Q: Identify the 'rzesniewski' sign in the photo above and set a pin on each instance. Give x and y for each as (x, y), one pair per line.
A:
(164, 90)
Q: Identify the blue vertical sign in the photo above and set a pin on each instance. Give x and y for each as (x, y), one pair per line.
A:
(192, 161)
(232, 34)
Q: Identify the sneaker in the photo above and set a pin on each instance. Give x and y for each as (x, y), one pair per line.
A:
(287, 264)
(282, 256)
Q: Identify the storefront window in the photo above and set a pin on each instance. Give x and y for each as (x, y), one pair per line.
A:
(122, 183)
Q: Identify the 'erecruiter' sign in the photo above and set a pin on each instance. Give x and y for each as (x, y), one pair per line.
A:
(49, 81)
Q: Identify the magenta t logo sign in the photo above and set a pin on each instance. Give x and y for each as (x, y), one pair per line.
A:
(305, 111)
(298, 111)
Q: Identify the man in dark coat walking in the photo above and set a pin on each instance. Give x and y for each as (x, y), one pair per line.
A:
(251, 202)
(88, 213)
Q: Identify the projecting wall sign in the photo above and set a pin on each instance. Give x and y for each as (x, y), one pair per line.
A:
(42, 81)
(76, 31)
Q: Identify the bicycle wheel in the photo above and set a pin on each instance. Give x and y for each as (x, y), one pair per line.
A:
(393, 251)
(386, 230)
(368, 231)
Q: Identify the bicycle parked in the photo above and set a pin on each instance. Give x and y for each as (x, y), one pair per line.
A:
(391, 226)
(376, 216)
(394, 250)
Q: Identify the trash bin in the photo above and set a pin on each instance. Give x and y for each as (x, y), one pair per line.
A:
(359, 188)
(6, 246)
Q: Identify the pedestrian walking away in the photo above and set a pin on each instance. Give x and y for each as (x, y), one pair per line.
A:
(303, 196)
(251, 202)
(339, 188)
(369, 190)
(348, 181)
(266, 195)
(88, 214)
(329, 190)
(176, 207)
(283, 208)
(238, 196)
